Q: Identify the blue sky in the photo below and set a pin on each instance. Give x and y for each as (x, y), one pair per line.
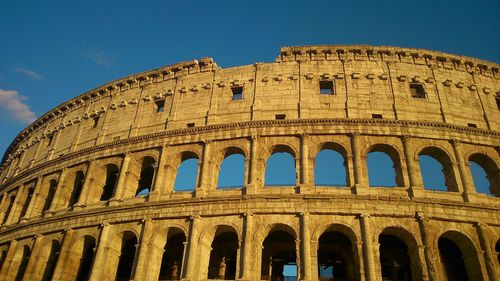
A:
(51, 51)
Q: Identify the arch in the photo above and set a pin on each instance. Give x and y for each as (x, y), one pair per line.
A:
(223, 256)
(497, 250)
(77, 188)
(445, 161)
(381, 172)
(111, 180)
(459, 257)
(50, 195)
(331, 165)
(173, 252)
(337, 255)
(80, 256)
(278, 252)
(3, 253)
(281, 167)
(491, 172)
(127, 255)
(49, 262)
(27, 201)
(145, 181)
(231, 171)
(186, 178)
(20, 261)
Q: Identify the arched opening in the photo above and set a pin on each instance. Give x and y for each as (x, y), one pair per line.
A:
(50, 195)
(458, 257)
(497, 249)
(127, 257)
(222, 264)
(280, 167)
(279, 257)
(50, 265)
(384, 166)
(187, 173)
(485, 174)
(395, 262)
(437, 170)
(86, 259)
(232, 170)
(23, 263)
(12, 199)
(145, 182)
(335, 257)
(330, 168)
(27, 202)
(171, 262)
(3, 254)
(108, 190)
(77, 188)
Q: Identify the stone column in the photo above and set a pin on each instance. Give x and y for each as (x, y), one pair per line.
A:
(251, 187)
(60, 189)
(87, 184)
(305, 179)
(468, 190)
(5, 269)
(204, 180)
(246, 252)
(63, 253)
(489, 259)
(368, 252)
(430, 260)
(306, 247)
(31, 268)
(34, 198)
(122, 179)
(2, 206)
(141, 269)
(415, 185)
(100, 256)
(191, 262)
(359, 180)
(159, 185)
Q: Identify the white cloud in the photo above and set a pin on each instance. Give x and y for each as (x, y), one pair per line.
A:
(98, 57)
(29, 73)
(13, 103)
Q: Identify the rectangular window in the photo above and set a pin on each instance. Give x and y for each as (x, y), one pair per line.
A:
(326, 87)
(160, 106)
(280, 116)
(377, 116)
(472, 125)
(190, 125)
(417, 91)
(96, 122)
(237, 93)
(51, 138)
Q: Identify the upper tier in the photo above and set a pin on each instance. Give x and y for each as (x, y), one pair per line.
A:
(366, 82)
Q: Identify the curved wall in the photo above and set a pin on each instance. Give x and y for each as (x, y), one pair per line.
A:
(100, 170)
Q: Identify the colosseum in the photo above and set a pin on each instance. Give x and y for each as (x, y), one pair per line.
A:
(90, 190)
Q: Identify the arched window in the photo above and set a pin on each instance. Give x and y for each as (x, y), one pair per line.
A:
(330, 168)
(23, 263)
(145, 182)
(86, 259)
(51, 261)
(280, 168)
(437, 170)
(127, 256)
(335, 257)
(380, 170)
(395, 262)
(187, 173)
(12, 199)
(459, 257)
(50, 195)
(77, 188)
(108, 189)
(222, 264)
(171, 261)
(485, 174)
(232, 171)
(27, 202)
(279, 257)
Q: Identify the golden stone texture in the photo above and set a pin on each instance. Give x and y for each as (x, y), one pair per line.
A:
(404, 102)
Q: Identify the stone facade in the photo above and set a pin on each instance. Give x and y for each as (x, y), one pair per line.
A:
(87, 191)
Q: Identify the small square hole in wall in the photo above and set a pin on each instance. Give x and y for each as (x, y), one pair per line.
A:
(472, 125)
(237, 93)
(377, 116)
(280, 116)
(326, 87)
(160, 106)
(190, 125)
(417, 91)
(96, 122)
